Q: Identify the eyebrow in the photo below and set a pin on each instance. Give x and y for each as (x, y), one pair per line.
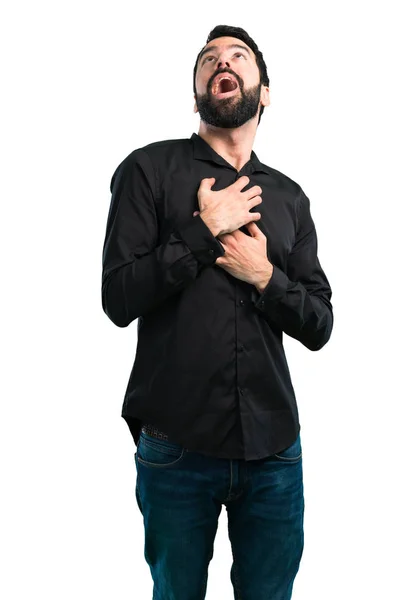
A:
(211, 48)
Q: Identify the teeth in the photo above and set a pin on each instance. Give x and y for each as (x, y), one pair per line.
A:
(222, 78)
(216, 85)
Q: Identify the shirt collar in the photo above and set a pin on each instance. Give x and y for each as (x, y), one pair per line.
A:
(203, 151)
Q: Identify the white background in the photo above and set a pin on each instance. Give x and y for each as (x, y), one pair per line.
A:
(84, 84)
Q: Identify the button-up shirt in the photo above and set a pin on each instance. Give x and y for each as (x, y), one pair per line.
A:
(210, 369)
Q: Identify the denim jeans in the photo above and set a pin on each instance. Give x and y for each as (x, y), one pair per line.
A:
(180, 494)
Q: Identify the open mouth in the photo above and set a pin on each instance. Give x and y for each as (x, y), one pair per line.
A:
(224, 87)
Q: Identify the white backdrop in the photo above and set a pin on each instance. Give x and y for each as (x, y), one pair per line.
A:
(85, 83)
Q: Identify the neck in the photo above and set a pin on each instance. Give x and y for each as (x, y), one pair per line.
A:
(234, 145)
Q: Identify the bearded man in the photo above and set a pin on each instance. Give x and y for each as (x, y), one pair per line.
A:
(215, 254)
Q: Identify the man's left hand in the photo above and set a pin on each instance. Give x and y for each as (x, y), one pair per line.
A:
(246, 256)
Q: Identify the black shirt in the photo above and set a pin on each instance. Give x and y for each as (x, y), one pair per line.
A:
(210, 369)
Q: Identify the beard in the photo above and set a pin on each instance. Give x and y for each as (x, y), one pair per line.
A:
(229, 112)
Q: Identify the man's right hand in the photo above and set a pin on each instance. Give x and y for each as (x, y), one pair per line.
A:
(228, 209)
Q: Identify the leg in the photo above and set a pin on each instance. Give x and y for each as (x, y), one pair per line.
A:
(180, 519)
(266, 528)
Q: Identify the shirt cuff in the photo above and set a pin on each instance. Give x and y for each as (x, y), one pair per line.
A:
(273, 291)
(200, 241)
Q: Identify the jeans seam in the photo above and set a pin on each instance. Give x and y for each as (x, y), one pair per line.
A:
(289, 458)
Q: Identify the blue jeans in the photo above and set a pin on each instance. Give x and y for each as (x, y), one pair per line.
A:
(180, 494)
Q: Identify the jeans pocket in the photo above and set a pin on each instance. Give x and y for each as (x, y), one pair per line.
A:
(292, 453)
(154, 452)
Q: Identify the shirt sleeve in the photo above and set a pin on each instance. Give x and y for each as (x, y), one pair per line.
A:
(140, 273)
(298, 302)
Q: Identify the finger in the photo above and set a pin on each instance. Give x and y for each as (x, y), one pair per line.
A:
(241, 182)
(252, 227)
(207, 182)
(254, 195)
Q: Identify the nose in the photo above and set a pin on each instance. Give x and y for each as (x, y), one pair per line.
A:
(223, 62)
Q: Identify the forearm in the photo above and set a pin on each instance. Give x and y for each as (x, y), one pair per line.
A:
(303, 314)
(297, 300)
(140, 285)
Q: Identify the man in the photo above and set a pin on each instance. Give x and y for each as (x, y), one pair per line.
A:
(215, 254)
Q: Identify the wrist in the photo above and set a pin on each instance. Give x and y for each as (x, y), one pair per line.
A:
(212, 225)
(263, 282)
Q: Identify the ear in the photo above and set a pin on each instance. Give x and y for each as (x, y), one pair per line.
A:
(264, 96)
(195, 110)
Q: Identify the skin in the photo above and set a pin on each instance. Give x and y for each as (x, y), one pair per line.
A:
(245, 257)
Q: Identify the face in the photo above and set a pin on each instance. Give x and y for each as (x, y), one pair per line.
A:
(231, 103)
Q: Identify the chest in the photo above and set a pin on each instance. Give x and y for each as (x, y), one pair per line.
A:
(178, 199)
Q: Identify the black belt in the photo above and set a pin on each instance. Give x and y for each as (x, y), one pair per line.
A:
(154, 432)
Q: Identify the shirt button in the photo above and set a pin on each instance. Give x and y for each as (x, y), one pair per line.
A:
(210, 251)
(241, 302)
(262, 303)
(241, 348)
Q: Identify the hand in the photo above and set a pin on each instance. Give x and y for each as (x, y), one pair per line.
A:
(246, 256)
(225, 210)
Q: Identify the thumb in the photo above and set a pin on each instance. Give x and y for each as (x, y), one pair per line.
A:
(208, 182)
(254, 230)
